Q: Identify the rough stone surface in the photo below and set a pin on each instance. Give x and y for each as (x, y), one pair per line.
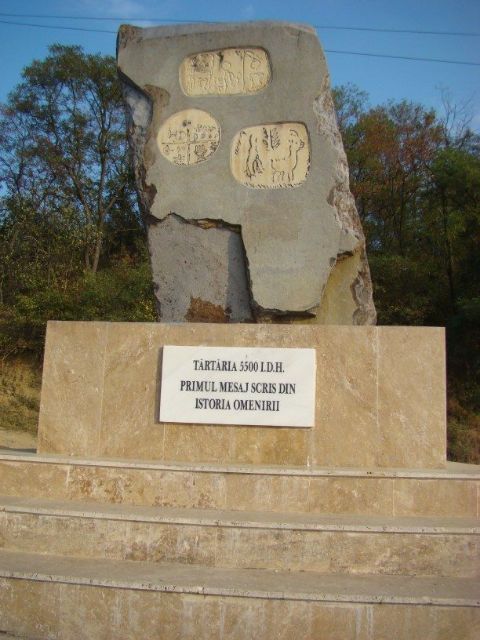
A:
(197, 256)
(242, 175)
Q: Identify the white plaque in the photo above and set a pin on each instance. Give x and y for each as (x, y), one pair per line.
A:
(238, 385)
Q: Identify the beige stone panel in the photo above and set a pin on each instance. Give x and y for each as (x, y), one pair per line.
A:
(147, 614)
(32, 480)
(402, 554)
(72, 388)
(135, 543)
(271, 156)
(346, 552)
(284, 620)
(186, 544)
(201, 618)
(266, 493)
(88, 612)
(106, 484)
(372, 496)
(188, 137)
(411, 397)
(189, 490)
(30, 609)
(225, 72)
(42, 534)
(146, 487)
(346, 432)
(425, 623)
(270, 445)
(198, 443)
(113, 539)
(130, 426)
(245, 618)
(454, 498)
(280, 549)
(69, 536)
(341, 622)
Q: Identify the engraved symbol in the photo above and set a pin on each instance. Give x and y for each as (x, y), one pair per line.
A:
(253, 164)
(283, 168)
(271, 156)
(189, 137)
(225, 72)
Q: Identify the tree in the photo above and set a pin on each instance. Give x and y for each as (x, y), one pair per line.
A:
(72, 242)
(63, 144)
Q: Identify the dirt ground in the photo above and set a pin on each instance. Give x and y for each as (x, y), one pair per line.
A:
(17, 440)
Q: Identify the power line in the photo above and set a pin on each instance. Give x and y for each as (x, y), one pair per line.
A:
(414, 58)
(411, 31)
(334, 51)
(55, 26)
(317, 26)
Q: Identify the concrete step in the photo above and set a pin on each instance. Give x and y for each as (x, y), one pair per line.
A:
(44, 596)
(431, 546)
(453, 491)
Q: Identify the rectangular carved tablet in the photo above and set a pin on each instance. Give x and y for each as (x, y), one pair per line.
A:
(225, 72)
(271, 156)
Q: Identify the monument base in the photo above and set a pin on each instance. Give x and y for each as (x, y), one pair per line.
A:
(126, 527)
(380, 396)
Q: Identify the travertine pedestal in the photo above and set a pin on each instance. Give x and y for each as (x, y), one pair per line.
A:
(357, 528)
(380, 396)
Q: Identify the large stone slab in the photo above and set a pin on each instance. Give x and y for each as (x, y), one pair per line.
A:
(242, 175)
(380, 396)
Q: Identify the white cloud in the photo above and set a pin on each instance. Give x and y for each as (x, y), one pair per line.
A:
(124, 8)
(248, 11)
(128, 9)
(134, 11)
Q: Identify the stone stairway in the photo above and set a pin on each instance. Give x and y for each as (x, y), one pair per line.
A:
(94, 548)
(124, 527)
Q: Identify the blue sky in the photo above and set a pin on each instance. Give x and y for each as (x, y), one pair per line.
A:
(383, 79)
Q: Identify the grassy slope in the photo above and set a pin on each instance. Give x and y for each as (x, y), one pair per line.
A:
(20, 381)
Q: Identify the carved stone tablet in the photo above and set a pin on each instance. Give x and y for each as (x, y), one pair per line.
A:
(271, 156)
(189, 137)
(225, 72)
(266, 229)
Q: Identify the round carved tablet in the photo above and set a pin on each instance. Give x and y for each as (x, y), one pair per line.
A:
(189, 137)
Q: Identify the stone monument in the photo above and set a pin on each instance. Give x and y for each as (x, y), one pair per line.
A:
(201, 481)
(242, 175)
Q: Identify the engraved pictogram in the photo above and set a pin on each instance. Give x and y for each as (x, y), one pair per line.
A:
(189, 137)
(271, 156)
(225, 72)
